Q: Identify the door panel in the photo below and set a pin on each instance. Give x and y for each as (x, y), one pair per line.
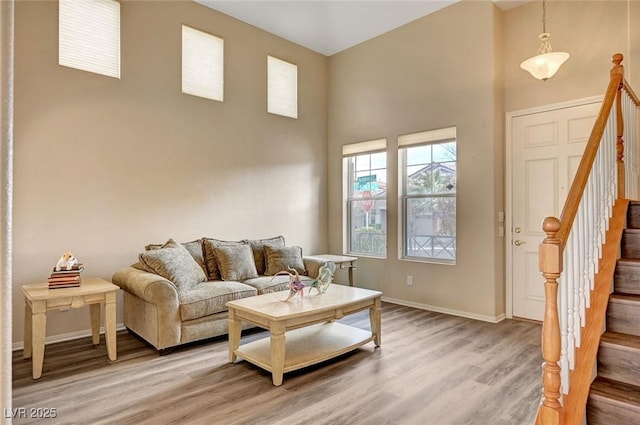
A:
(546, 151)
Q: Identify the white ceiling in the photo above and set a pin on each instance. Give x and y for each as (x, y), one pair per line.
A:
(330, 26)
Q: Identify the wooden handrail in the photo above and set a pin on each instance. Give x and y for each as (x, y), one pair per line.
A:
(580, 180)
(551, 251)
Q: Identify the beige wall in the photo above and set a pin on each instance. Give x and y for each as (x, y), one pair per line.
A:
(438, 71)
(591, 31)
(104, 166)
(460, 66)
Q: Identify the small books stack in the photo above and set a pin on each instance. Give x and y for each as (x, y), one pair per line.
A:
(66, 278)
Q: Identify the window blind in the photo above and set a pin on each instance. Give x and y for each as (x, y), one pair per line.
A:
(282, 87)
(202, 64)
(361, 147)
(89, 36)
(448, 133)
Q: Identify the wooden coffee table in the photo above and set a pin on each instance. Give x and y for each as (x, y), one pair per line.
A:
(312, 335)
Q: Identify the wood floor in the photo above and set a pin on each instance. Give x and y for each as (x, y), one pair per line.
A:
(431, 369)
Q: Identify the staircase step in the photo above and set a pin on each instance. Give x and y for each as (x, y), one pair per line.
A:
(633, 215)
(630, 244)
(623, 314)
(619, 357)
(627, 277)
(613, 403)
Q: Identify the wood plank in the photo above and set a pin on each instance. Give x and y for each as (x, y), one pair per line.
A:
(429, 366)
(612, 402)
(623, 314)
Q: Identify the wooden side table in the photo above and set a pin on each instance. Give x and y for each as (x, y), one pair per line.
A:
(343, 262)
(39, 299)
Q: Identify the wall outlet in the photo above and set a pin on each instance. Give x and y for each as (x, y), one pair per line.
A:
(409, 280)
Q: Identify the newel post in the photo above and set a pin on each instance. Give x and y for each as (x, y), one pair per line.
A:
(618, 69)
(550, 265)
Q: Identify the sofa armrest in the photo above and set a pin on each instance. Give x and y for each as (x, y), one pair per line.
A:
(150, 287)
(313, 264)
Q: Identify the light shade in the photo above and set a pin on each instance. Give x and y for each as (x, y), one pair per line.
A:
(544, 66)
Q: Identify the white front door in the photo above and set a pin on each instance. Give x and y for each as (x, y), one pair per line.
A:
(546, 148)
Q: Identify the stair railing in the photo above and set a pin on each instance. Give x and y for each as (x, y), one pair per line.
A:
(571, 255)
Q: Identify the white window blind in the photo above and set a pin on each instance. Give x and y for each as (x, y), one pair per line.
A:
(362, 147)
(441, 134)
(282, 87)
(89, 36)
(202, 64)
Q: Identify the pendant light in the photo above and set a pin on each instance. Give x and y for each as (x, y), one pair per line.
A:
(546, 63)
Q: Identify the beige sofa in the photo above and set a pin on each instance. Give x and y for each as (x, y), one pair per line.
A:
(177, 292)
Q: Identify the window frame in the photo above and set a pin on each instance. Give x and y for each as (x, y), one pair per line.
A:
(429, 138)
(350, 152)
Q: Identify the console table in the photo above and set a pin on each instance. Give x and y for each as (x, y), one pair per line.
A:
(39, 299)
(341, 261)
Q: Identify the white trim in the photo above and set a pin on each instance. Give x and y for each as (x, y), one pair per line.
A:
(67, 337)
(459, 313)
(508, 234)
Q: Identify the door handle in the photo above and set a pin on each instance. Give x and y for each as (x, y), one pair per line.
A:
(519, 242)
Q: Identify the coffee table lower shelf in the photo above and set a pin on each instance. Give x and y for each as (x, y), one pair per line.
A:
(307, 346)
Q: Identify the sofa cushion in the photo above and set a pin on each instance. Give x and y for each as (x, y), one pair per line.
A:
(268, 284)
(194, 248)
(211, 297)
(257, 246)
(281, 259)
(211, 262)
(173, 262)
(235, 262)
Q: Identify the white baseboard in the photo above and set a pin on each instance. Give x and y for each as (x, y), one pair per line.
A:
(66, 337)
(466, 314)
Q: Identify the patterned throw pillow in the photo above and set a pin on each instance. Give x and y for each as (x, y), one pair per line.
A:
(257, 245)
(235, 262)
(173, 262)
(194, 248)
(279, 259)
(209, 245)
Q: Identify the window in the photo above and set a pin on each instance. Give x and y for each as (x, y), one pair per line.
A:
(202, 64)
(365, 170)
(89, 36)
(282, 87)
(428, 206)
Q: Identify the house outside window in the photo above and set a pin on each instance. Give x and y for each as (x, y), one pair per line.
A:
(428, 201)
(365, 169)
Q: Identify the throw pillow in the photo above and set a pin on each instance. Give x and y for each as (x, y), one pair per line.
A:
(173, 262)
(210, 260)
(194, 248)
(257, 245)
(235, 262)
(279, 259)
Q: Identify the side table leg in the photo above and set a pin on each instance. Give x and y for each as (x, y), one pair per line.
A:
(38, 329)
(28, 336)
(278, 344)
(352, 270)
(110, 324)
(235, 329)
(376, 322)
(94, 313)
